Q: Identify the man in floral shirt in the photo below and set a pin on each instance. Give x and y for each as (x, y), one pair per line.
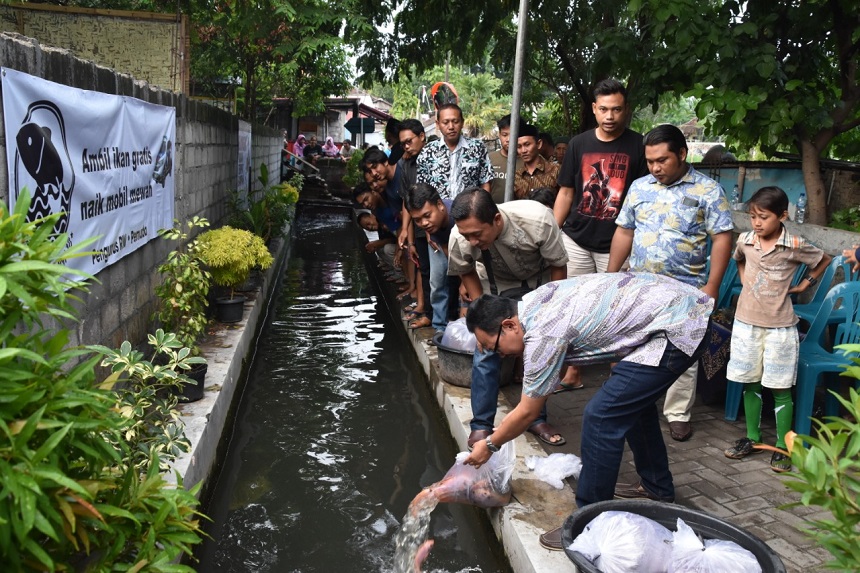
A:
(654, 326)
(454, 162)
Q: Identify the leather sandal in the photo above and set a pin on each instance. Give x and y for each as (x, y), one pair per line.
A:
(546, 432)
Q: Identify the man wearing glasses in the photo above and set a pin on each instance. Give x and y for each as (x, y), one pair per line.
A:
(653, 326)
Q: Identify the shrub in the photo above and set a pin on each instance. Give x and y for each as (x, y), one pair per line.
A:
(231, 254)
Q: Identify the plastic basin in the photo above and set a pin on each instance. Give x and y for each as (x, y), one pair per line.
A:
(455, 366)
(667, 514)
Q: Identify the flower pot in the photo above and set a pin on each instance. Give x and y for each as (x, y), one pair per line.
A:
(194, 392)
(667, 514)
(229, 309)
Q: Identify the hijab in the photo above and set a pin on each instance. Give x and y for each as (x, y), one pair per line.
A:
(299, 146)
(330, 149)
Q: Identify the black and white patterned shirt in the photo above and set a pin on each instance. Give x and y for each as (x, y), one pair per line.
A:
(450, 172)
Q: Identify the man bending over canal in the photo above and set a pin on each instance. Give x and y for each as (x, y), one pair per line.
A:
(653, 326)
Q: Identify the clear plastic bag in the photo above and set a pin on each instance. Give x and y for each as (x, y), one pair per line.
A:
(458, 337)
(624, 542)
(554, 468)
(487, 486)
(690, 555)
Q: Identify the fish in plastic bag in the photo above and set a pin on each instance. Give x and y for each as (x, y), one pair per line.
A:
(554, 468)
(458, 337)
(690, 555)
(624, 542)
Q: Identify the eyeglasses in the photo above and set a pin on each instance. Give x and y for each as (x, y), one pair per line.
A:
(499, 335)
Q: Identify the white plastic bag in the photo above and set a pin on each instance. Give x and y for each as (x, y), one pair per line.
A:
(690, 555)
(554, 468)
(487, 486)
(624, 542)
(458, 337)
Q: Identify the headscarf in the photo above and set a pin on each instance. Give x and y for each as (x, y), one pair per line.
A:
(299, 146)
(330, 149)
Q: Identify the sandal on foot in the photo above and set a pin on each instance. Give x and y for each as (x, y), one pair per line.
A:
(562, 387)
(404, 294)
(546, 433)
(413, 314)
(419, 322)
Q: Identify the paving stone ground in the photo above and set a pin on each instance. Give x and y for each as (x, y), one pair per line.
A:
(744, 492)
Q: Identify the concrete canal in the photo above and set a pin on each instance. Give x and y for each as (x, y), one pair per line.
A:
(336, 431)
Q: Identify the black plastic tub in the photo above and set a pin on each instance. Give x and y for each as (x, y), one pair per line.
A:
(667, 514)
(455, 366)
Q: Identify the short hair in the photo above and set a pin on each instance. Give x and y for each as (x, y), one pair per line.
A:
(347, 141)
(360, 189)
(504, 121)
(770, 198)
(419, 194)
(666, 134)
(543, 195)
(610, 86)
(392, 126)
(527, 130)
(448, 106)
(488, 312)
(546, 137)
(474, 202)
(373, 156)
(412, 125)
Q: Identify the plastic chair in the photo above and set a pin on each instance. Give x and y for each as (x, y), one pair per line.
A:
(730, 285)
(808, 311)
(815, 361)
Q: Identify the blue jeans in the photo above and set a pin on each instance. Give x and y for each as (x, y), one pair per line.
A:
(486, 372)
(439, 288)
(625, 409)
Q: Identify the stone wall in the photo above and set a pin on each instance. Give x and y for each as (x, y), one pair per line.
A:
(151, 47)
(120, 305)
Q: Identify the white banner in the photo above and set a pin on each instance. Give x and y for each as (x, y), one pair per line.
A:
(104, 161)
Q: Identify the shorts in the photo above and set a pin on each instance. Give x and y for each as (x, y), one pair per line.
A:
(763, 354)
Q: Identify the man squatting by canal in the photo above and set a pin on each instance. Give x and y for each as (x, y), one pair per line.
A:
(653, 326)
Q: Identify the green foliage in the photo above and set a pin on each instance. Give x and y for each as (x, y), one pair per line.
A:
(828, 476)
(73, 494)
(183, 292)
(231, 254)
(847, 219)
(354, 175)
(268, 215)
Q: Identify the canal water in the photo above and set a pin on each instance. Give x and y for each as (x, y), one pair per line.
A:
(336, 432)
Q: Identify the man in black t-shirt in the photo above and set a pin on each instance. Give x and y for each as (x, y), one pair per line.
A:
(596, 173)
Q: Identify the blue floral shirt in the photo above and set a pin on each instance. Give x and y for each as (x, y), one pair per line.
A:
(450, 172)
(672, 224)
(607, 317)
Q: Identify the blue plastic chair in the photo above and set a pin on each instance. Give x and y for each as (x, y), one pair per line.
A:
(730, 285)
(843, 300)
(808, 311)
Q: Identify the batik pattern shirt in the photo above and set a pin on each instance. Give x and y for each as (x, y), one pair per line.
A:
(544, 175)
(671, 224)
(606, 317)
(450, 172)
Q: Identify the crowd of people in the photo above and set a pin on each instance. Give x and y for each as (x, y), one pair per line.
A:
(613, 251)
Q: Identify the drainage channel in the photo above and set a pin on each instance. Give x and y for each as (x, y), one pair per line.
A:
(336, 431)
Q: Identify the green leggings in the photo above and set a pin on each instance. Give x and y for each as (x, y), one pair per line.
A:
(783, 409)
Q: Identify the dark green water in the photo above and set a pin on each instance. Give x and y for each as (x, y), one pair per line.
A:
(336, 432)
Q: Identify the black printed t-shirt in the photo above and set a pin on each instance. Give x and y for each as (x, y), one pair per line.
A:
(600, 172)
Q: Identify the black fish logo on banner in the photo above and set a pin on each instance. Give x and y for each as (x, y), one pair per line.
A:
(43, 164)
(163, 161)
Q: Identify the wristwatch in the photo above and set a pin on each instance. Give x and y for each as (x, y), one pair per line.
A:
(491, 446)
(812, 280)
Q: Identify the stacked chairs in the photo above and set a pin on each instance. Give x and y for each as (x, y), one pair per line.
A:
(808, 311)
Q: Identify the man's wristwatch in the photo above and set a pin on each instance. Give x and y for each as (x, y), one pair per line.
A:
(812, 280)
(491, 446)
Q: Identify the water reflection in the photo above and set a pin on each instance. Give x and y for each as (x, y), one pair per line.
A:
(336, 433)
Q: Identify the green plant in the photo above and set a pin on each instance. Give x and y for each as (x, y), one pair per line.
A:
(72, 496)
(267, 216)
(183, 292)
(354, 174)
(232, 253)
(847, 219)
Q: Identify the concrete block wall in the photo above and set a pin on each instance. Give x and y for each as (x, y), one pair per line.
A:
(120, 305)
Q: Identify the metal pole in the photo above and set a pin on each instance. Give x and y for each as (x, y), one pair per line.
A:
(516, 100)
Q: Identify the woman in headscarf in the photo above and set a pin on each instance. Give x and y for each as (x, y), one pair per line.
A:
(330, 149)
(299, 146)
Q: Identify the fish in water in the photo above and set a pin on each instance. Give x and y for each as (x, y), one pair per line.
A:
(40, 157)
(421, 555)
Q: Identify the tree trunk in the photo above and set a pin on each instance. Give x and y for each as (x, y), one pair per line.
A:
(816, 206)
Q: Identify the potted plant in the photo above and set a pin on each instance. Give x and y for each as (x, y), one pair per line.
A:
(183, 298)
(269, 211)
(231, 254)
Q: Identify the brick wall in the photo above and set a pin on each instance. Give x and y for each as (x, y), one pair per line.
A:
(206, 160)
